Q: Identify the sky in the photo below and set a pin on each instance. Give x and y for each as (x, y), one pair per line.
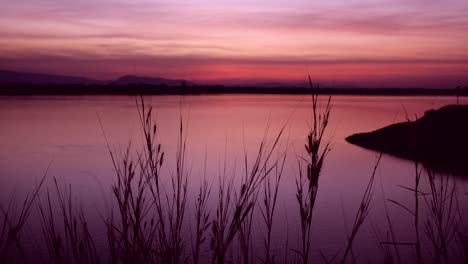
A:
(378, 43)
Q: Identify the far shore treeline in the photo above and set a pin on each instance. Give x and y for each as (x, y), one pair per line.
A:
(148, 89)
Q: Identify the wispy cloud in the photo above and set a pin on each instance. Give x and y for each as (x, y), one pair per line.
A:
(232, 38)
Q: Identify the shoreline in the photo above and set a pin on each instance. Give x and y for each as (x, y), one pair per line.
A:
(22, 89)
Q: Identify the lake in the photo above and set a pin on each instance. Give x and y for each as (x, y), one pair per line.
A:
(65, 137)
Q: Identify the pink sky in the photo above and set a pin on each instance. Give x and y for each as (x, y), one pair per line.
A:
(365, 43)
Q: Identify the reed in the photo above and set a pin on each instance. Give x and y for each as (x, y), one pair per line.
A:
(131, 235)
(461, 237)
(149, 228)
(70, 241)
(270, 194)
(417, 193)
(443, 226)
(440, 226)
(227, 225)
(362, 212)
(307, 182)
(202, 217)
(12, 222)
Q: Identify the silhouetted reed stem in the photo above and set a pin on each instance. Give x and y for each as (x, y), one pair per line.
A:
(269, 205)
(307, 185)
(362, 211)
(226, 225)
(149, 228)
(202, 218)
(441, 225)
(70, 242)
(12, 223)
(416, 213)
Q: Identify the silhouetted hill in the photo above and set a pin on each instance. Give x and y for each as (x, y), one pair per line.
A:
(21, 83)
(439, 139)
(131, 79)
(10, 77)
(39, 78)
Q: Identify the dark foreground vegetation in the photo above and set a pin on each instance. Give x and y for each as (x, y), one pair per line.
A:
(149, 89)
(439, 139)
(147, 221)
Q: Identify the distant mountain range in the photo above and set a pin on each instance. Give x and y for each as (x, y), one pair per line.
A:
(22, 83)
(39, 78)
(131, 79)
(14, 77)
(9, 77)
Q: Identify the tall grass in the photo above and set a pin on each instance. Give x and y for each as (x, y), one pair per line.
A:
(444, 224)
(307, 182)
(202, 217)
(267, 209)
(439, 227)
(461, 237)
(69, 241)
(234, 207)
(361, 213)
(12, 221)
(149, 228)
(151, 218)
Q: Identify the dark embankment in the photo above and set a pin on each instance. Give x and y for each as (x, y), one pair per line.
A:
(26, 89)
(439, 139)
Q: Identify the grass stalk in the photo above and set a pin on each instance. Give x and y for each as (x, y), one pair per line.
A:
(70, 242)
(226, 225)
(202, 217)
(12, 223)
(307, 183)
(270, 192)
(440, 226)
(362, 212)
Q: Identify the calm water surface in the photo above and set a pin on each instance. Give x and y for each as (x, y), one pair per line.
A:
(64, 134)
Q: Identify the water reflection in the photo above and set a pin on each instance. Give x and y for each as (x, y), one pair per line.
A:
(66, 131)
